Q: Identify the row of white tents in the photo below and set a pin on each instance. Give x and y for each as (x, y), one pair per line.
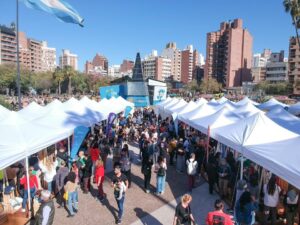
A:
(269, 139)
(36, 127)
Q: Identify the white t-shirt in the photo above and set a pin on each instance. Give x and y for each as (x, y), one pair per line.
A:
(271, 200)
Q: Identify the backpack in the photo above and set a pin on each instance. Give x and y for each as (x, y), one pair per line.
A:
(125, 164)
(161, 172)
(191, 168)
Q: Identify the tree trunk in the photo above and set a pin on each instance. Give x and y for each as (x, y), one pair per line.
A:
(59, 88)
(70, 86)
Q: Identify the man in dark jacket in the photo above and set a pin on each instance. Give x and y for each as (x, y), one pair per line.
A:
(60, 177)
(45, 214)
(87, 173)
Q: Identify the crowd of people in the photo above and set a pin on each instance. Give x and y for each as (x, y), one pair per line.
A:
(161, 145)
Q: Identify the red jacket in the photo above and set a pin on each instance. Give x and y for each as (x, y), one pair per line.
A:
(94, 152)
(33, 182)
(99, 172)
(217, 216)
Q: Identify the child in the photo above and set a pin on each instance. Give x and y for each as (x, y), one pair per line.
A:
(119, 189)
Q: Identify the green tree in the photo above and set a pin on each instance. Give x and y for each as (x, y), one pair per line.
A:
(69, 73)
(43, 82)
(293, 8)
(79, 83)
(192, 86)
(210, 86)
(58, 77)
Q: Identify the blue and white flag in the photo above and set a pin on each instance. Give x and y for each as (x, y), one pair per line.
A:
(59, 8)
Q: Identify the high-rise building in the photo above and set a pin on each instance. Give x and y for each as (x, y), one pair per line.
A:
(156, 67)
(114, 71)
(276, 68)
(8, 44)
(126, 67)
(171, 52)
(68, 59)
(189, 59)
(24, 51)
(229, 54)
(48, 57)
(99, 66)
(259, 62)
(294, 65)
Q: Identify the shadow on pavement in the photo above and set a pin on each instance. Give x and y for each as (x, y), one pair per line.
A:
(145, 217)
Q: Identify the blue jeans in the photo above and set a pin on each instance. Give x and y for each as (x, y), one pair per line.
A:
(25, 197)
(160, 185)
(72, 202)
(49, 184)
(121, 207)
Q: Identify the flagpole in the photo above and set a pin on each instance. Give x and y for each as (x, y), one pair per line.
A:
(18, 59)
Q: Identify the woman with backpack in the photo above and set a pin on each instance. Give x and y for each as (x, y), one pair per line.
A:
(192, 166)
(161, 170)
(125, 163)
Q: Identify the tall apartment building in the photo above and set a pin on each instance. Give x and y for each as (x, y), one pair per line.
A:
(8, 44)
(294, 65)
(30, 53)
(259, 62)
(276, 68)
(114, 71)
(229, 54)
(98, 66)
(48, 57)
(126, 67)
(156, 67)
(68, 59)
(174, 54)
(189, 61)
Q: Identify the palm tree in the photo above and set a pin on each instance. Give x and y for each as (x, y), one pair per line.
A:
(293, 7)
(69, 72)
(58, 76)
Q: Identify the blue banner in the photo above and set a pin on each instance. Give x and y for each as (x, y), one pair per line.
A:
(79, 135)
(127, 111)
(139, 101)
(110, 91)
(110, 121)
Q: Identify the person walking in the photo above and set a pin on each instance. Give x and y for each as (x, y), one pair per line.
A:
(71, 193)
(60, 178)
(99, 178)
(120, 184)
(245, 209)
(271, 198)
(46, 211)
(87, 173)
(125, 163)
(161, 169)
(146, 170)
(183, 212)
(291, 204)
(218, 216)
(211, 171)
(192, 166)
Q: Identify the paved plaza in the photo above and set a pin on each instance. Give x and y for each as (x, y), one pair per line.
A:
(140, 208)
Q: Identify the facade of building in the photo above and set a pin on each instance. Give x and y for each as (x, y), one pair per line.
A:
(8, 44)
(294, 65)
(114, 71)
(259, 62)
(35, 48)
(229, 54)
(48, 57)
(68, 59)
(156, 67)
(276, 68)
(188, 63)
(126, 67)
(98, 66)
(171, 52)
(24, 51)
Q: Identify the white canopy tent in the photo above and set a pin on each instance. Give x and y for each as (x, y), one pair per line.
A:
(32, 111)
(21, 138)
(159, 106)
(222, 100)
(246, 100)
(254, 130)
(222, 117)
(53, 105)
(247, 110)
(295, 109)
(4, 112)
(213, 102)
(285, 119)
(280, 157)
(168, 111)
(201, 101)
(185, 109)
(271, 103)
(170, 104)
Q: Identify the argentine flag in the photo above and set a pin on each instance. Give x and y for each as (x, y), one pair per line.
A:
(59, 8)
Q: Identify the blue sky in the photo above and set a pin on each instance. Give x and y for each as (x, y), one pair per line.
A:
(120, 28)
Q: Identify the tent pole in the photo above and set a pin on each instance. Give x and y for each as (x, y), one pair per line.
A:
(242, 167)
(69, 152)
(28, 184)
